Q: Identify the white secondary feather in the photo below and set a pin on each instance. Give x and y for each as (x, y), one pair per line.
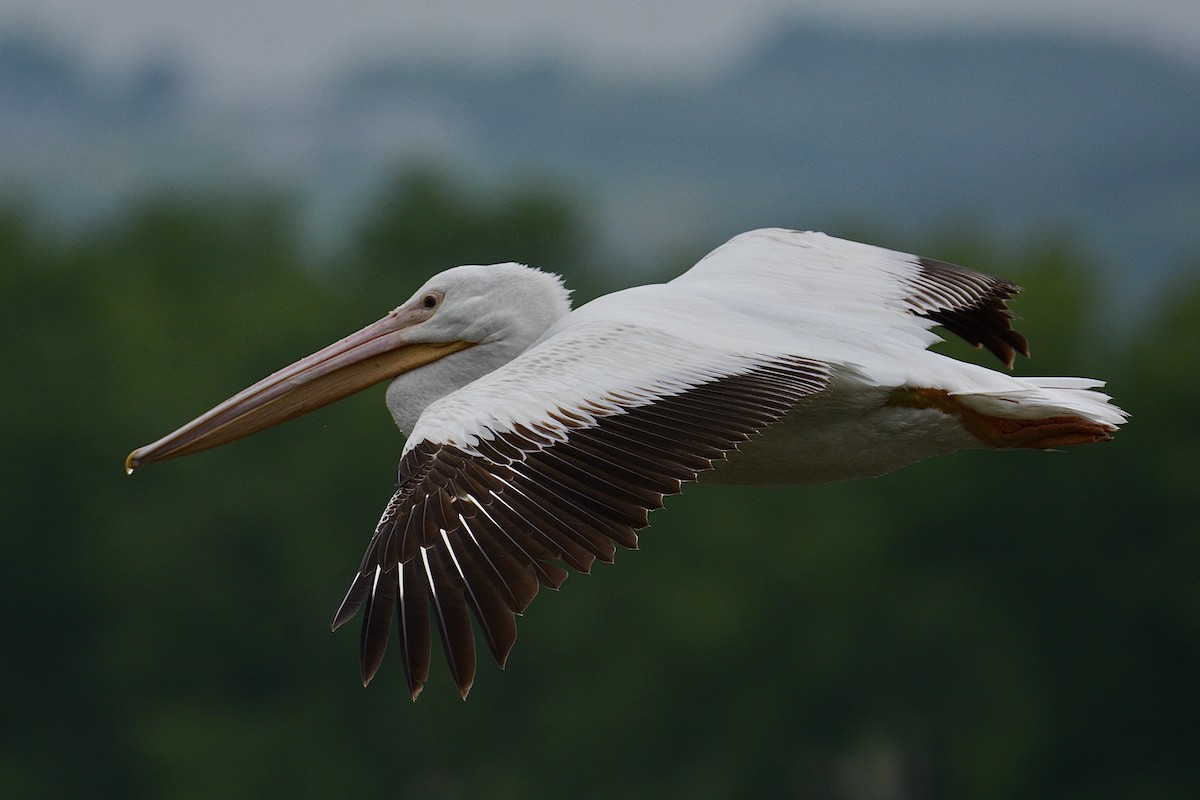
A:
(841, 287)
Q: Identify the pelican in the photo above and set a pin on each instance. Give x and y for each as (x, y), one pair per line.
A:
(539, 437)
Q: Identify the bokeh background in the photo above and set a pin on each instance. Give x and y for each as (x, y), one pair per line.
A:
(192, 195)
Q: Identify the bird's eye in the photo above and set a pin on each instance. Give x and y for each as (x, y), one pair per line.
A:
(430, 300)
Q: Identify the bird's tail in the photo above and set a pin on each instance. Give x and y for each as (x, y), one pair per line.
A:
(1039, 413)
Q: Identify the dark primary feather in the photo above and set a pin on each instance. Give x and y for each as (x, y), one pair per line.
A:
(969, 304)
(475, 535)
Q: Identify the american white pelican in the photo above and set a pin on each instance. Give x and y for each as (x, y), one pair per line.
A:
(539, 436)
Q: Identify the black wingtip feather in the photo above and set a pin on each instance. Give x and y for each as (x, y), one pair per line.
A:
(415, 633)
(971, 305)
(377, 623)
(351, 603)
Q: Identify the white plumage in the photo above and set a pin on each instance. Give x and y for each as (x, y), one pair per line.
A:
(539, 436)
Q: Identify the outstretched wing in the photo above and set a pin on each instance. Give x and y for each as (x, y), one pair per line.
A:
(506, 480)
(865, 285)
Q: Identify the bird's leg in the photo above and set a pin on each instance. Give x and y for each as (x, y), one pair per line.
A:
(1040, 433)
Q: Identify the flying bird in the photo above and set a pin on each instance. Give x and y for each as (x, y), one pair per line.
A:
(539, 437)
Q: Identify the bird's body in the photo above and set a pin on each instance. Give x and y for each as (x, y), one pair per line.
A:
(539, 436)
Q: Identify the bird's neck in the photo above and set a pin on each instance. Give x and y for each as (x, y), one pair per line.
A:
(408, 395)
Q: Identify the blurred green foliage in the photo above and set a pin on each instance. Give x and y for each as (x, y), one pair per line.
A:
(984, 625)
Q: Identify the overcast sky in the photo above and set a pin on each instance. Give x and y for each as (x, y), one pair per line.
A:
(276, 43)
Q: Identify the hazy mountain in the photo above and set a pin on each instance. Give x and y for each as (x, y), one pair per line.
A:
(817, 128)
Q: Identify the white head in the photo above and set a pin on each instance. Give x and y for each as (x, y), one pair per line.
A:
(485, 303)
(499, 309)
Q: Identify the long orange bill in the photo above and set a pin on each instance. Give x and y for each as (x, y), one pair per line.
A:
(378, 352)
